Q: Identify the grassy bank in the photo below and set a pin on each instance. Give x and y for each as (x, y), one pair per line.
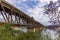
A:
(7, 33)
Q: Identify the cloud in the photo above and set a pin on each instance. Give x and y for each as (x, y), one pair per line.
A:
(25, 0)
(36, 12)
(47, 0)
(11, 1)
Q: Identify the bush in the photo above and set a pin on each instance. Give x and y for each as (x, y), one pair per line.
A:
(7, 33)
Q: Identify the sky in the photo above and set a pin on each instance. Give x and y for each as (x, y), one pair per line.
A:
(33, 8)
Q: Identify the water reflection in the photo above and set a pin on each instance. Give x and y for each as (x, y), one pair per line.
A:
(53, 34)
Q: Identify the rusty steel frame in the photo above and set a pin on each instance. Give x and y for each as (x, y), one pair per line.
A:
(22, 15)
(3, 16)
(4, 11)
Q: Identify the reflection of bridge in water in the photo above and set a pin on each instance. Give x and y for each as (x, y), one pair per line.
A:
(10, 14)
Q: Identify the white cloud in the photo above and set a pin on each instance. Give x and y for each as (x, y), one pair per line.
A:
(55, 0)
(47, 0)
(44, 0)
(25, 0)
(11, 1)
(36, 12)
(38, 15)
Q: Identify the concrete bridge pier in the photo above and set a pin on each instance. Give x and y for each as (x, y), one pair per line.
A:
(31, 30)
(34, 29)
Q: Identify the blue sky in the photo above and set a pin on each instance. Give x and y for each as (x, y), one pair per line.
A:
(33, 8)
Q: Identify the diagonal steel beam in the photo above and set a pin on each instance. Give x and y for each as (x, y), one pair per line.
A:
(4, 11)
(3, 16)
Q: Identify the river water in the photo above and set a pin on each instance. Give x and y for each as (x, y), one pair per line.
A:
(53, 34)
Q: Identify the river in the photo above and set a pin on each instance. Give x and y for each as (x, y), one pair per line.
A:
(53, 34)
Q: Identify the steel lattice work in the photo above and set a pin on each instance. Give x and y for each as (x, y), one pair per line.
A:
(16, 17)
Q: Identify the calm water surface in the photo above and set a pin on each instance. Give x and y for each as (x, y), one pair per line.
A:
(53, 34)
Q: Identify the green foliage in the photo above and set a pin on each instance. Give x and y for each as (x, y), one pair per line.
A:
(58, 37)
(7, 33)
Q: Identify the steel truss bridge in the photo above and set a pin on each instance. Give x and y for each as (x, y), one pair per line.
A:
(16, 17)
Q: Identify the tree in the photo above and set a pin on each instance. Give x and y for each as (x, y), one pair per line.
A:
(53, 12)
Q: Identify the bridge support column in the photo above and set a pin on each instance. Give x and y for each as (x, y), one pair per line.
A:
(31, 30)
(35, 29)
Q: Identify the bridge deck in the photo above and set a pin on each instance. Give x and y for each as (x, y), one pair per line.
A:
(9, 9)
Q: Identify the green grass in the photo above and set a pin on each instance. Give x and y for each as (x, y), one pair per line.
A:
(7, 33)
